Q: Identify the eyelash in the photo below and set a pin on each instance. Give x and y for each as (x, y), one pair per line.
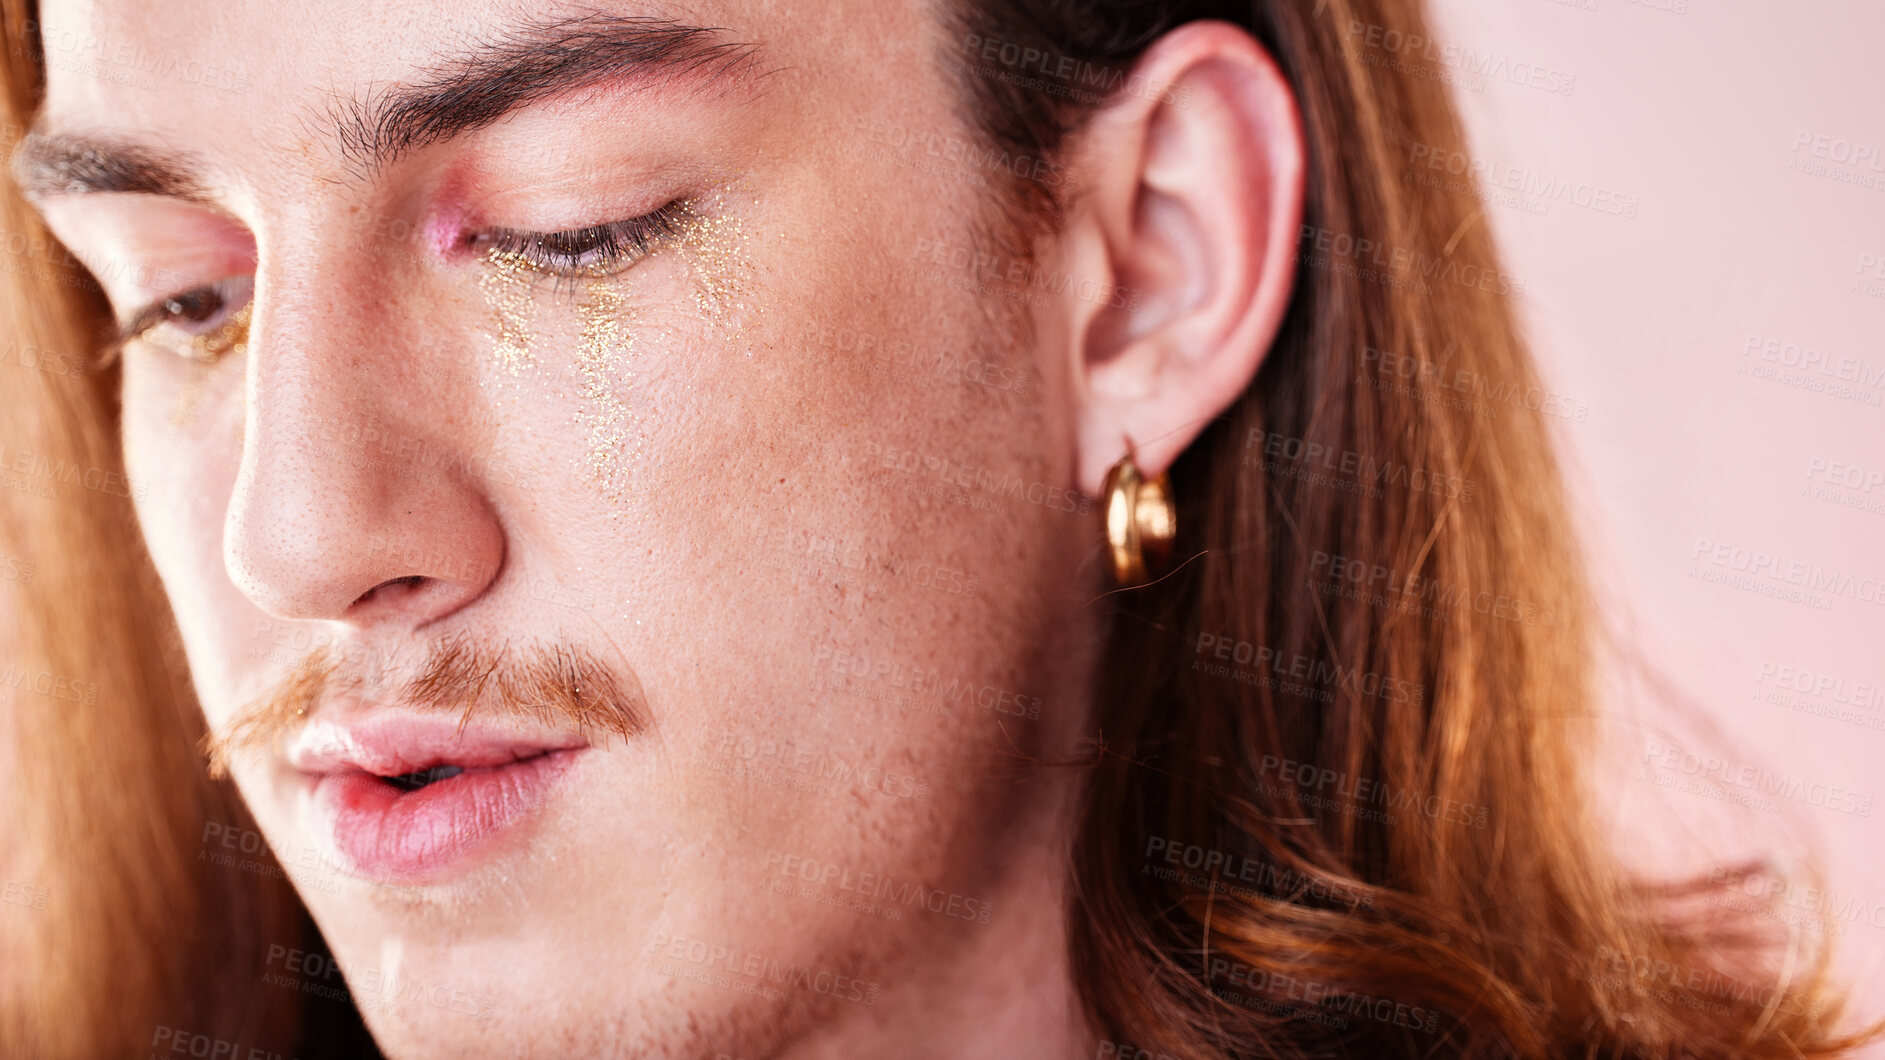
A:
(600, 250)
(207, 347)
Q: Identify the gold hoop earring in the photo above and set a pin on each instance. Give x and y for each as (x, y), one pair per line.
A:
(1141, 520)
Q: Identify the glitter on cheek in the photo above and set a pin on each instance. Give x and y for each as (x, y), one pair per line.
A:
(506, 289)
(607, 341)
(208, 347)
(718, 251)
(201, 354)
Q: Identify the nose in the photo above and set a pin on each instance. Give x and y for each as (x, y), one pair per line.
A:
(352, 500)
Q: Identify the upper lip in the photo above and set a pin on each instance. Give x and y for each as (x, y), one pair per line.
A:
(390, 742)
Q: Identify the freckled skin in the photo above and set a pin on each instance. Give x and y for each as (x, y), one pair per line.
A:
(762, 550)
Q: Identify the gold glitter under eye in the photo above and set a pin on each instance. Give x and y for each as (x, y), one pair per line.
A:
(715, 250)
(209, 347)
(607, 340)
(507, 293)
(719, 252)
(518, 260)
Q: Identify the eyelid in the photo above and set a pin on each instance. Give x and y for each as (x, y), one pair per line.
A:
(598, 250)
(134, 328)
(232, 334)
(142, 321)
(610, 248)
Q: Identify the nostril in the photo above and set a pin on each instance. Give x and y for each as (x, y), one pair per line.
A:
(391, 590)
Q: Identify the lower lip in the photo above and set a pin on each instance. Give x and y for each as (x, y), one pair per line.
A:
(390, 834)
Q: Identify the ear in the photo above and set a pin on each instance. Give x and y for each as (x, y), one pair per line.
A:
(1193, 185)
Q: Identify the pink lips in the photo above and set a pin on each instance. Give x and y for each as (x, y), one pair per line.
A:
(491, 782)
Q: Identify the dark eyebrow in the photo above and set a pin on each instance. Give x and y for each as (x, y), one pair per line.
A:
(528, 63)
(511, 68)
(49, 164)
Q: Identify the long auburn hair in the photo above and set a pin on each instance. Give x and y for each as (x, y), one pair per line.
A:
(1238, 891)
(1483, 916)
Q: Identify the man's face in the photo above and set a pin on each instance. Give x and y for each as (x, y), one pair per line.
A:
(773, 456)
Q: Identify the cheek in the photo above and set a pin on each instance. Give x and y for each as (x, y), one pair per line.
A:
(182, 447)
(823, 557)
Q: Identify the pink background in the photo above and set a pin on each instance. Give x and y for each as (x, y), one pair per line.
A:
(1698, 114)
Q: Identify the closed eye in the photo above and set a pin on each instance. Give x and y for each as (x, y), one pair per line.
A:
(601, 250)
